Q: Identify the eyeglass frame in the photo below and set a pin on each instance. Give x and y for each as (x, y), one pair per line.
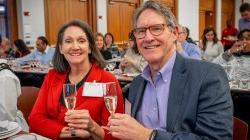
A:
(150, 28)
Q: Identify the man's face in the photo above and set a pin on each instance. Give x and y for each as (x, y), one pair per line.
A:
(156, 49)
(245, 15)
(182, 35)
(40, 45)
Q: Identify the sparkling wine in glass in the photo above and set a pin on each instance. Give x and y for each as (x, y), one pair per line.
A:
(110, 96)
(69, 94)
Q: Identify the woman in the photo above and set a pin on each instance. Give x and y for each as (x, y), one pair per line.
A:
(210, 45)
(76, 61)
(133, 62)
(109, 43)
(99, 41)
(7, 51)
(20, 48)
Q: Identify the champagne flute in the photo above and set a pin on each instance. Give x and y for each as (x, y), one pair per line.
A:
(69, 95)
(110, 97)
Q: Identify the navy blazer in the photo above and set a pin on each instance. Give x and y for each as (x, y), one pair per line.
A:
(199, 104)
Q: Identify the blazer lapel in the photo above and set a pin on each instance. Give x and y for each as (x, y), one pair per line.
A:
(137, 93)
(177, 87)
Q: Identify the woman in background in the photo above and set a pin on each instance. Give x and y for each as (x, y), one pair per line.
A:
(76, 61)
(111, 47)
(99, 41)
(210, 45)
(20, 48)
(132, 62)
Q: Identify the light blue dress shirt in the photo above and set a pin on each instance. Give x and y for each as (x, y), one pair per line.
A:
(153, 111)
(244, 24)
(43, 58)
(191, 51)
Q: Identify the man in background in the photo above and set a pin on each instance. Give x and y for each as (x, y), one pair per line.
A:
(186, 49)
(229, 35)
(244, 22)
(43, 52)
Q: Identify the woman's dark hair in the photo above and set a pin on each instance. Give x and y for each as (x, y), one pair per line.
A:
(21, 47)
(101, 35)
(59, 61)
(44, 40)
(204, 39)
(244, 7)
(111, 37)
(240, 35)
(132, 37)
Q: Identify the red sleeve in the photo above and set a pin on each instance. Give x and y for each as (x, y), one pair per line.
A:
(39, 120)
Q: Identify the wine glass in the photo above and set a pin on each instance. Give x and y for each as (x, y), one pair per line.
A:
(69, 94)
(110, 97)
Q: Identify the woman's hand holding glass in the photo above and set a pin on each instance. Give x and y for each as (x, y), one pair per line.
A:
(81, 121)
(69, 95)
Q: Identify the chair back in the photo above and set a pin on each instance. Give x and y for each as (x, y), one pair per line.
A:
(27, 99)
(240, 129)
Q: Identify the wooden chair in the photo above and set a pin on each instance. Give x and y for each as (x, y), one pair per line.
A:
(240, 129)
(27, 99)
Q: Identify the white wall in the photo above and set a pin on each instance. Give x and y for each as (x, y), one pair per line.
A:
(101, 12)
(218, 18)
(32, 26)
(188, 15)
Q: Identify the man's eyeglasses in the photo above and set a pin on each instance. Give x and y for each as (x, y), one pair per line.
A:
(155, 30)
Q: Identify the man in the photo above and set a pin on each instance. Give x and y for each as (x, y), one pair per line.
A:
(185, 48)
(244, 22)
(229, 35)
(43, 53)
(174, 97)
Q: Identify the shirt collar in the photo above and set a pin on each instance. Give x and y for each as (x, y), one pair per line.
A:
(163, 72)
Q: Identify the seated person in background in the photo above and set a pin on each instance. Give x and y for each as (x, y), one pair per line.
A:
(229, 35)
(186, 49)
(244, 21)
(109, 44)
(174, 98)
(99, 41)
(43, 53)
(9, 93)
(188, 38)
(20, 48)
(77, 60)
(7, 51)
(132, 62)
(240, 49)
(211, 47)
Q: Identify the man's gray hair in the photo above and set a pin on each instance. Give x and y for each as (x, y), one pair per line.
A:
(159, 8)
